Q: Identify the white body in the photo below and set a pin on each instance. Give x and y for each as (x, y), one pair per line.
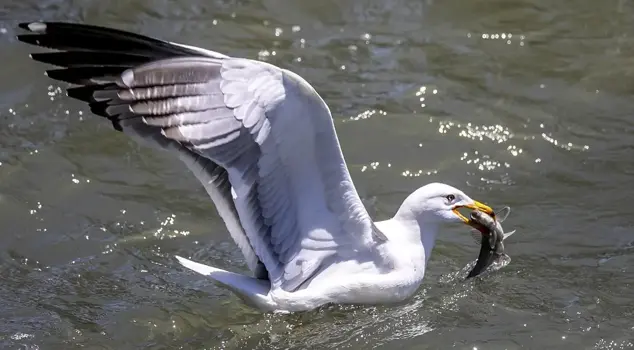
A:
(392, 280)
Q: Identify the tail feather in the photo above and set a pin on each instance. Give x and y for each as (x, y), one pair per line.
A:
(252, 291)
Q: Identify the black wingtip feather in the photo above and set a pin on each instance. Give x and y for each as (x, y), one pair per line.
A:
(85, 75)
(33, 26)
(99, 108)
(86, 93)
(29, 38)
(117, 126)
(94, 56)
(85, 37)
(90, 59)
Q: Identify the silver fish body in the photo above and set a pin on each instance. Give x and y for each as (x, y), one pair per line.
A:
(492, 238)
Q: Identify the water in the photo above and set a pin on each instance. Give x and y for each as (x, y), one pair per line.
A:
(520, 103)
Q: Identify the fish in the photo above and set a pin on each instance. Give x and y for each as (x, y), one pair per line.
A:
(492, 237)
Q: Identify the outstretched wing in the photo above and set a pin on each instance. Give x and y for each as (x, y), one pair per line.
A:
(291, 197)
(94, 57)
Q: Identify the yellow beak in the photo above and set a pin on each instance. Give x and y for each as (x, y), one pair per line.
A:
(475, 206)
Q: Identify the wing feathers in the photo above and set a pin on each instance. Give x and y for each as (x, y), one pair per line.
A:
(85, 75)
(182, 70)
(174, 105)
(90, 59)
(260, 139)
(187, 118)
(162, 91)
(90, 93)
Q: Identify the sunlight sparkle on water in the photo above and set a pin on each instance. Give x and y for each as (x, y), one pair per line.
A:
(563, 145)
(263, 55)
(416, 173)
(367, 114)
(506, 37)
(514, 150)
(497, 133)
(422, 91)
(483, 161)
(76, 180)
(613, 345)
(20, 336)
(109, 248)
(38, 207)
(366, 37)
(372, 165)
(55, 91)
(169, 221)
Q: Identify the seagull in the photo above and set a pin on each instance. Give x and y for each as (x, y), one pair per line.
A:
(262, 143)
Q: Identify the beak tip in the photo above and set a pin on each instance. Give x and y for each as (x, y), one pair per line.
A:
(484, 208)
(474, 206)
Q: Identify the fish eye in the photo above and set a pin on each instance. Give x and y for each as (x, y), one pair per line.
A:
(450, 197)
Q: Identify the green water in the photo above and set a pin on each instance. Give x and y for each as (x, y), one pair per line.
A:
(520, 103)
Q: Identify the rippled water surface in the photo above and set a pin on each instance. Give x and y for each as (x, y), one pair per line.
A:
(520, 103)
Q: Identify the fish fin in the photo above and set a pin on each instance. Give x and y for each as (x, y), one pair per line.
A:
(507, 234)
(502, 214)
(476, 235)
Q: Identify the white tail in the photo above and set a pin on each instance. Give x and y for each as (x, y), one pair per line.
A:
(251, 290)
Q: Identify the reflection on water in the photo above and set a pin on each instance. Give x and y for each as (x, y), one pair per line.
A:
(523, 103)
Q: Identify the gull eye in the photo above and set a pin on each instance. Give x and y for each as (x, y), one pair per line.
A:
(451, 197)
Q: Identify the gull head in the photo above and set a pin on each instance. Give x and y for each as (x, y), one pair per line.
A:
(438, 203)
